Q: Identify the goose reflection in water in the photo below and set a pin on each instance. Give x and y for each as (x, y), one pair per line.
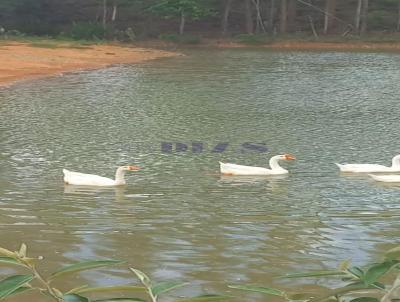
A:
(119, 192)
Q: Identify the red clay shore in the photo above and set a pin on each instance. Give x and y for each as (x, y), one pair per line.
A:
(20, 61)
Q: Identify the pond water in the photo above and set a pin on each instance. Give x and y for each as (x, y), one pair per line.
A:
(177, 218)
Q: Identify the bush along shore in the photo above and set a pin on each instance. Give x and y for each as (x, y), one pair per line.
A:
(361, 284)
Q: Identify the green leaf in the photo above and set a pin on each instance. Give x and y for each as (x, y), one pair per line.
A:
(142, 277)
(365, 299)
(378, 270)
(315, 274)
(378, 285)
(13, 283)
(339, 291)
(84, 266)
(9, 260)
(393, 254)
(166, 286)
(356, 271)
(259, 289)
(74, 298)
(121, 300)
(205, 298)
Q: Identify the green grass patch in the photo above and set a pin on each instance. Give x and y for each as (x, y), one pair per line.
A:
(44, 45)
(180, 39)
(256, 39)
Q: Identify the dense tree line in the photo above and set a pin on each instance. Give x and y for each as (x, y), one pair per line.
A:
(150, 18)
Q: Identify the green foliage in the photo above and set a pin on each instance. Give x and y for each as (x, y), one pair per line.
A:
(357, 280)
(87, 31)
(180, 39)
(17, 284)
(175, 8)
(361, 285)
(256, 39)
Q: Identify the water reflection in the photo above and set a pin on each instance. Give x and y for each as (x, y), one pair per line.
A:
(119, 191)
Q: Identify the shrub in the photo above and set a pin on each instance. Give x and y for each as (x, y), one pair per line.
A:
(182, 39)
(257, 39)
(87, 31)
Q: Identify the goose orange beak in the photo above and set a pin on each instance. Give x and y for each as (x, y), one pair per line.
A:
(133, 168)
(289, 157)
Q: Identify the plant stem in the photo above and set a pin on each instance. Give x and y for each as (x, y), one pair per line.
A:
(45, 283)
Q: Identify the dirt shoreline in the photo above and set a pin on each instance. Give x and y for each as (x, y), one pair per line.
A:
(22, 61)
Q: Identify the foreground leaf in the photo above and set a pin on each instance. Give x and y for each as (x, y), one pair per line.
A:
(7, 253)
(74, 298)
(142, 277)
(13, 283)
(393, 254)
(340, 291)
(166, 286)
(260, 289)
(356, 271)
(84, 266)
(378, 270)
(22, 250)
(108, 289)
(365, 299)
(120, 300)
(315, 274)
(9, 260)
(205, 298)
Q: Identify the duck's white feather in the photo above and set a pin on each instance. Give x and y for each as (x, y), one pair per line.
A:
(276, 169)
(364, 168)
(233, 169)
(371, 168)
(76, 178)
(386, 178)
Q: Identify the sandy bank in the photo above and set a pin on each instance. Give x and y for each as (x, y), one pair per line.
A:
(20, 61)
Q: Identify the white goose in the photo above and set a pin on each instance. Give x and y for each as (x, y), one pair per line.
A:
(370, 168)
(76, 178)
(386, 178)
(276, 169)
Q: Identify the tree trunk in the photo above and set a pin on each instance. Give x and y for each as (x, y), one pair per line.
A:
(104, 13)
(114, 12)
(364, 17)
(398, 18)
(225, 16)
(271, 20)
(182, 24)
(358, 16)
(284, 16)
(291, 14)
(330, 13)
(260, 22)
(249, 17)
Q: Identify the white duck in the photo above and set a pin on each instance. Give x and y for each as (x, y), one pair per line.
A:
(276, 169)
(76, 178)
(386, 178)
(368, 168)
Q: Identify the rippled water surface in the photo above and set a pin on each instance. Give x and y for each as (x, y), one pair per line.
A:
(177, 218)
